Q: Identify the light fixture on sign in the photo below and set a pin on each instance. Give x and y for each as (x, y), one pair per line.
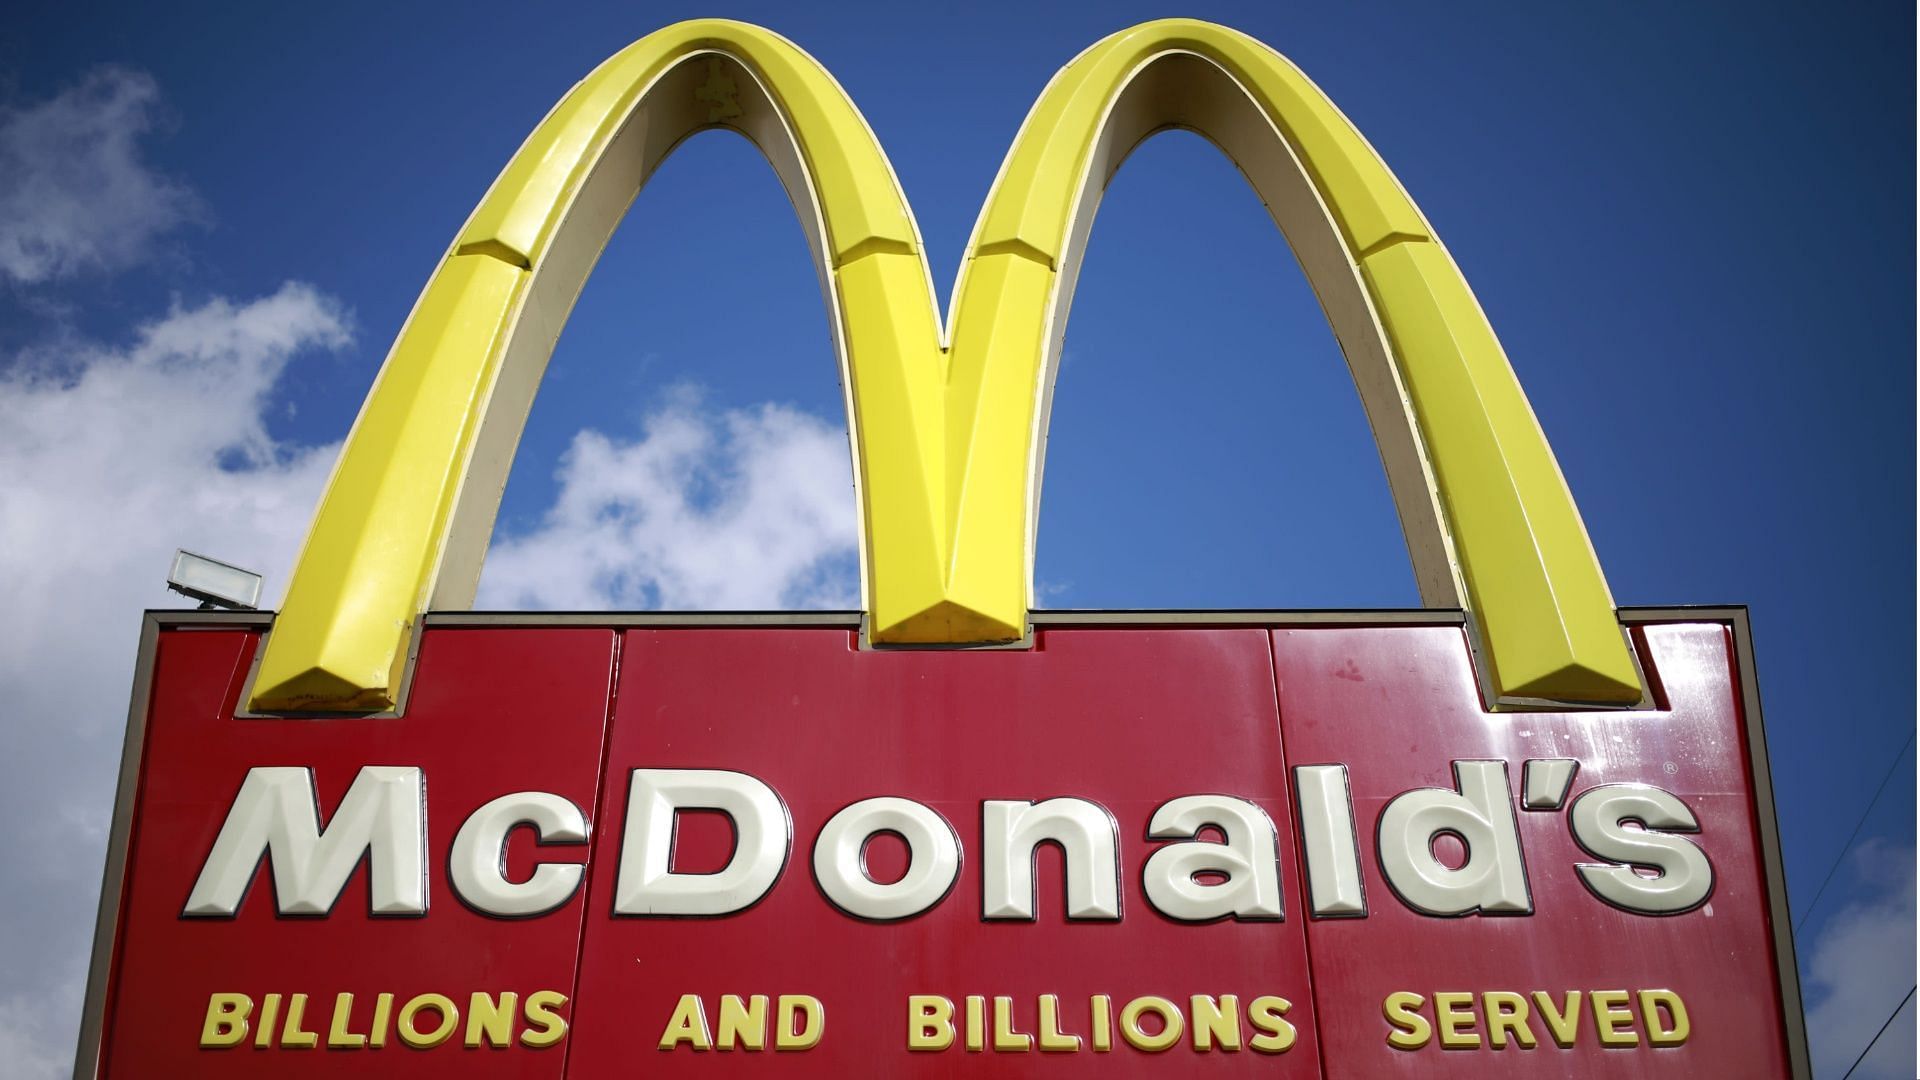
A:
(214, 583)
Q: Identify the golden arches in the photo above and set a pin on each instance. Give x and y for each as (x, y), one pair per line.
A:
(946, 433)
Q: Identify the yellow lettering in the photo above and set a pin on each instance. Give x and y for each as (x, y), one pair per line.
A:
(1609, 1012)
(382, 1013)
(338, 1037)
(226, 1023)
(1005, 1038)
(810, 1016)
(293, 1036)
(269, 1012)
(976, 1023)
(1267, 1015)
(1102, 1023)
(1507, 1012)
(410, 1032)
(1215, 1021)
(544, 1026)
(1410, 1030)
(742, 1023)
(1455, 1012)
(491, 1019)
(1052, 1039)
(1564, 1022)
(1138, 1037)
(929, 1022)
(688, 1024)
(1658, 1034)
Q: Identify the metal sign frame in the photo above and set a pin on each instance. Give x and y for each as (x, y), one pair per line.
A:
(1734, 617)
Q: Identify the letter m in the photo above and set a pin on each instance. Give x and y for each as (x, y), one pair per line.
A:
(277, 815)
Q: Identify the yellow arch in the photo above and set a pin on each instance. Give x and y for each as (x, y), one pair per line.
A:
(1489, 521)
(946, 437)
(404, 522)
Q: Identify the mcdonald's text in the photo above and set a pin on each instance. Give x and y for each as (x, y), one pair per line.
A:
(1210, 856)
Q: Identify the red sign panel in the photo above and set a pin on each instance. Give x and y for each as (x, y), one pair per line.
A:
(610, 848)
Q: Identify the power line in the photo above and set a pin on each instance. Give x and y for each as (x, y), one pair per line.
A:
(1857, 826)
(1882, 1031)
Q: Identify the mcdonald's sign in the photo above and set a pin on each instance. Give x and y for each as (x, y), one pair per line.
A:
(1518, 833)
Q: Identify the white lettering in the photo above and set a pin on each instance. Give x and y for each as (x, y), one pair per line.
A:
(478, 863)
(1249, 859)
(1494, 877)
(1089, 841)
(1334, 882)
(839, 859)
(277, 814)
(647, 884)
(1598, 820)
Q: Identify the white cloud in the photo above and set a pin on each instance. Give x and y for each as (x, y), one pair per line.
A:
(23, 1042)
(75, 194)
(747, 508)
(114, 456)
(1860, 965)
(111, 458)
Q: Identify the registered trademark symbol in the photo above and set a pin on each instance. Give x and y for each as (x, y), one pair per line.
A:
(1670, 768)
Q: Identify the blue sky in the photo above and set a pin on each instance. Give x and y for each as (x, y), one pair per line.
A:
(1689, 225)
